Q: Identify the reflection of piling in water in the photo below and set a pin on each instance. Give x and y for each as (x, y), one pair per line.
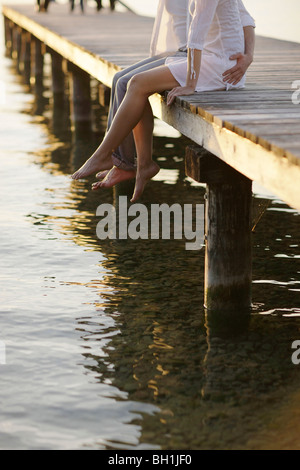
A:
(224, 330)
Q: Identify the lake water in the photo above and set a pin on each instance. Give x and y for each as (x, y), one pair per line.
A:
(106, 344)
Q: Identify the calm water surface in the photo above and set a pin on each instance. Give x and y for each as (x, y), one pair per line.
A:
(107, 343)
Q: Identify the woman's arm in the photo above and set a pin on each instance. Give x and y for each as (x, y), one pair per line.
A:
(203, 15)
(236, 73)
(193, 70)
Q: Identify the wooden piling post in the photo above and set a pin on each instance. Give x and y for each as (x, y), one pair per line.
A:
(80, 98)
(59, 102)
(58, 76)
(8, 31)
(37, 63)
(228, 255)
(16, 44)
(104, 95)
(24, 56)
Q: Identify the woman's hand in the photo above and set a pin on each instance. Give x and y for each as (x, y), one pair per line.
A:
(179, 91)
(236, 73)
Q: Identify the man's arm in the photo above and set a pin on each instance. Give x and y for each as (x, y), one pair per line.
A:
(236, 73)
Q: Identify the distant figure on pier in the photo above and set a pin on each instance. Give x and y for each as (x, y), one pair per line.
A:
(72, 2)
(42, 5)
(214, 55)
(99, 4)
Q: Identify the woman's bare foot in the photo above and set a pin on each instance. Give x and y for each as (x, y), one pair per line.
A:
(114, 176)
(143, 175)
(93, 165)
(101, 175)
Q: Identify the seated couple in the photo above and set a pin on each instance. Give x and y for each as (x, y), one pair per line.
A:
(196, 46)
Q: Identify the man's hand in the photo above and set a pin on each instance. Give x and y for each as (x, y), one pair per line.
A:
(236, 73)
(179, 91)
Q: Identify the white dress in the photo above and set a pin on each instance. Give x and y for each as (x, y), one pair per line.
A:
(213, 26)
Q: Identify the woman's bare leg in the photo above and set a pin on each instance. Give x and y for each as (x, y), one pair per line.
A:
(143, 136)
(146, 167)
(128, 116)
(97, 162)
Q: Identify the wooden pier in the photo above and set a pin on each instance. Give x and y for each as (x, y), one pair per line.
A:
(240, 136)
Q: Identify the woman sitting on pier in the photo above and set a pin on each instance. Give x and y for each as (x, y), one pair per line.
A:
(217, 31)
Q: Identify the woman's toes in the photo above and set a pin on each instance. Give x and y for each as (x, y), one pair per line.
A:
(102, 174)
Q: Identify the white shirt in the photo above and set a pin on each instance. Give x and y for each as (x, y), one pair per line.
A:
(170, 26)
(210, 25)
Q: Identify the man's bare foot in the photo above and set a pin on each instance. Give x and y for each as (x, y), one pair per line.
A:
(114, 176)
(142, 177)
(93, 165)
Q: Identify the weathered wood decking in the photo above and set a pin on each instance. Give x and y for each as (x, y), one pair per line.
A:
(256, 130)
